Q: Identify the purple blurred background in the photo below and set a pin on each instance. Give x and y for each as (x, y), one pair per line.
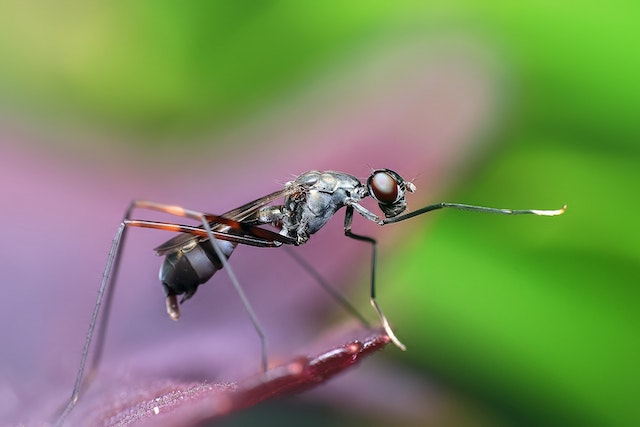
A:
(63, 201)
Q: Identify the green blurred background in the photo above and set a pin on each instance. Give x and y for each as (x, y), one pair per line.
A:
(546, 335)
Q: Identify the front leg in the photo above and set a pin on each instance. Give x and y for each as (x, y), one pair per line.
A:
(348, 220)
(364, 212)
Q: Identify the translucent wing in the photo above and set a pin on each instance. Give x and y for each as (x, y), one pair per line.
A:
(232, 223)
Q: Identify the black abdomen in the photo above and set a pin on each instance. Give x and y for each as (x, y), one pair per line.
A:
(189, 267)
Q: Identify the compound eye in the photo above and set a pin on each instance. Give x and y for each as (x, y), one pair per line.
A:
(384, 187)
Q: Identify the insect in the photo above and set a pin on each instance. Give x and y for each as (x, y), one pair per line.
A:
(194, 255)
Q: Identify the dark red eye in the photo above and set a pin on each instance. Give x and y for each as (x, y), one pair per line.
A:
(384, 186)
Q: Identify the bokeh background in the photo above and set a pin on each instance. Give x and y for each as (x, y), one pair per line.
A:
(508, 320)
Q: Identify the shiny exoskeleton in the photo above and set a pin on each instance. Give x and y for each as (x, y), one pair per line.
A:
(310, 202)
(194, 255)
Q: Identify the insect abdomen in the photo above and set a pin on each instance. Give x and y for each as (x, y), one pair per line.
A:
(186, 269)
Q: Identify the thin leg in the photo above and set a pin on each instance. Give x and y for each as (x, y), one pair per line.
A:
(241, 294)
(205, 218)
(332, 291)
(108, 283)
(473, 208)
(212, 218)
(113, 261)
(348, 220)
(199, 231)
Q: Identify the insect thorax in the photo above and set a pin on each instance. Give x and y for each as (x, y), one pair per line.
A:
(321, 195)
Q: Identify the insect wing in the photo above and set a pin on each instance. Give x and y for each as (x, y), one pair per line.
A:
(249, 209)
(231, 223)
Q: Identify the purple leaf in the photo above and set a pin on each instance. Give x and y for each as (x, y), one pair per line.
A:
(190, 403)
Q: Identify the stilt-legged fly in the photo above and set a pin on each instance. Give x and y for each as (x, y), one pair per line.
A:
(198, 252)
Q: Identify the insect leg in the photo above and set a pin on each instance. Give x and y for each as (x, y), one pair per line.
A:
(241, 294)
(327, 287)
(473, 208)
(348, 220)
(110, 271)
(108, 283)
(105, 295)
(204, 218)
